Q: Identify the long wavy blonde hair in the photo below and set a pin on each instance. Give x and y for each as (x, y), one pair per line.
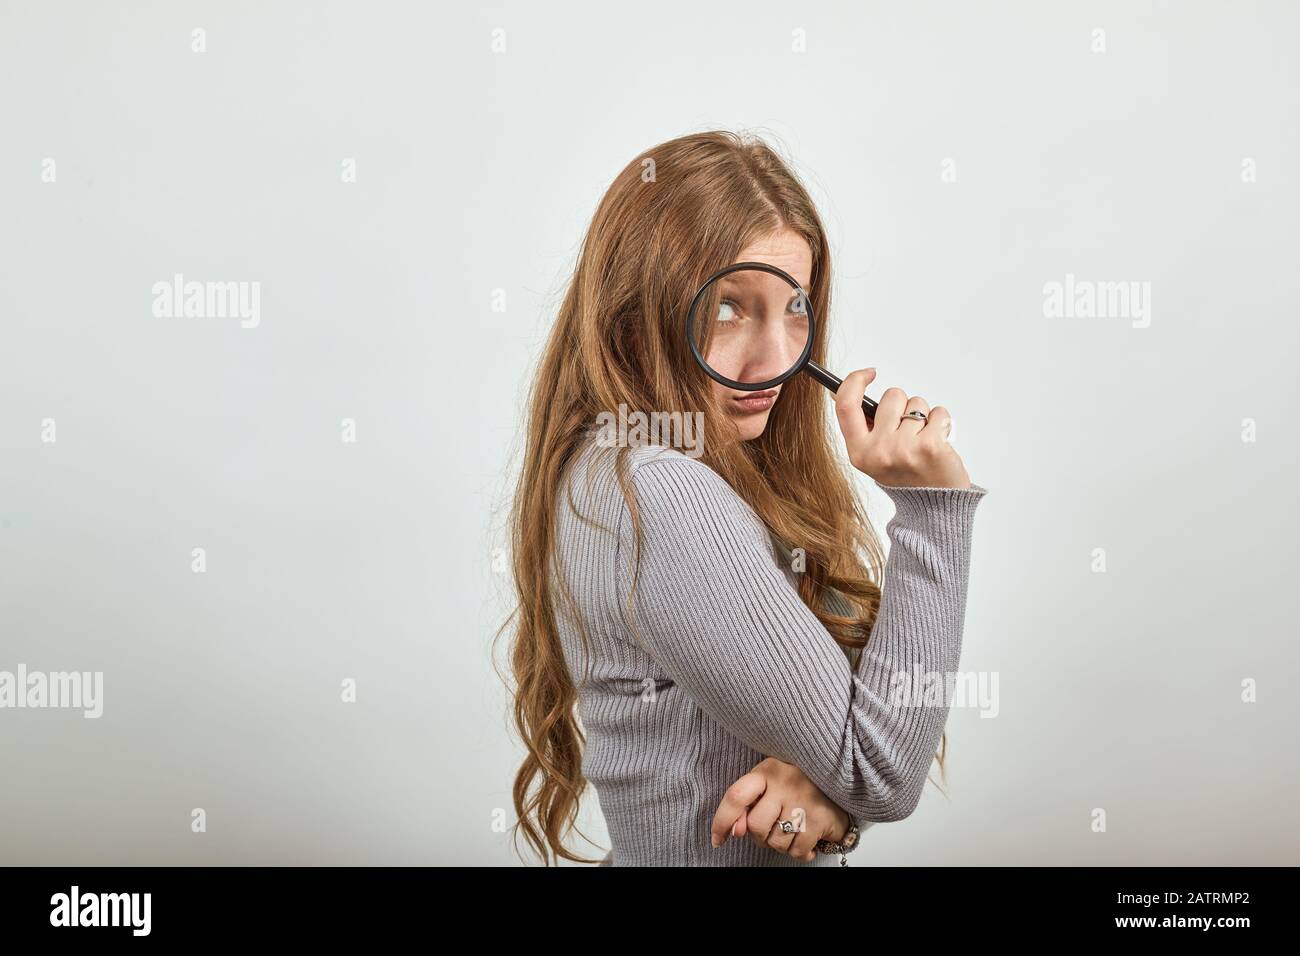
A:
(673, 216)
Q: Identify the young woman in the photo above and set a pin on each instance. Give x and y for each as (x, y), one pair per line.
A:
(706, 619)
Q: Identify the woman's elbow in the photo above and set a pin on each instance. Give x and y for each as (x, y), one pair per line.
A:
(885, 803)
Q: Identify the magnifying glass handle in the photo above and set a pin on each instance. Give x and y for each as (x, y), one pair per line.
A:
(833, 382)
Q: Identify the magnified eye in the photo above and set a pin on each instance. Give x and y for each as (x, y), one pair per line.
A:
(799, 305)
(726, 312)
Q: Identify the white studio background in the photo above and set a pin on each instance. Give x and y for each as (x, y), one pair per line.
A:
(963, 157)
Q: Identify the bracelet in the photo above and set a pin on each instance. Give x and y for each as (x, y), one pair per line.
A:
(844, 846)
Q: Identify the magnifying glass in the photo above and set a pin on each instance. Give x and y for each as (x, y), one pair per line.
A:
(751, 327)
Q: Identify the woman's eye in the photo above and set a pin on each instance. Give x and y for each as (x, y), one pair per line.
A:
(726, 312)
(797, 304)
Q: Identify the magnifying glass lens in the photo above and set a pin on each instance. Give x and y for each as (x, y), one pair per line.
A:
(751, 327)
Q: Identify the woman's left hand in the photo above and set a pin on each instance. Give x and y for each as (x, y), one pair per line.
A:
(771, 792)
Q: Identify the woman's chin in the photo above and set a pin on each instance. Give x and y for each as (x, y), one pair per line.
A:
(750, 426)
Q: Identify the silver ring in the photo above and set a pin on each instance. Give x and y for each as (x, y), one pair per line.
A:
(786, 826)
(917, 414)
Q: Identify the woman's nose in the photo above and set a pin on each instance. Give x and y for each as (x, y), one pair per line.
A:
(771, 352)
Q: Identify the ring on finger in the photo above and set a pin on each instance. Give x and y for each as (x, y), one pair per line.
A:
(784, 827)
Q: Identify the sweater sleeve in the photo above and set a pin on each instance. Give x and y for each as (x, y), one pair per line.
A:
(716, 611)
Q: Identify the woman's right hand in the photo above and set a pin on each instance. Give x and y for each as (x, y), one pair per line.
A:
(772, 791)
(896, 450)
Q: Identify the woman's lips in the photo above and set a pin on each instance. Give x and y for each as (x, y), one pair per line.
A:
(755, 401)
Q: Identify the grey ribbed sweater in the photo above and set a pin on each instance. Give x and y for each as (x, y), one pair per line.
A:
(728, 666)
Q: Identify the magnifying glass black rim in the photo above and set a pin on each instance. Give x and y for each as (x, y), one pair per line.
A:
(751, 386)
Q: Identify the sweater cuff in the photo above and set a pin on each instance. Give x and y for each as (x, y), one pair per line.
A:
(948, 506)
